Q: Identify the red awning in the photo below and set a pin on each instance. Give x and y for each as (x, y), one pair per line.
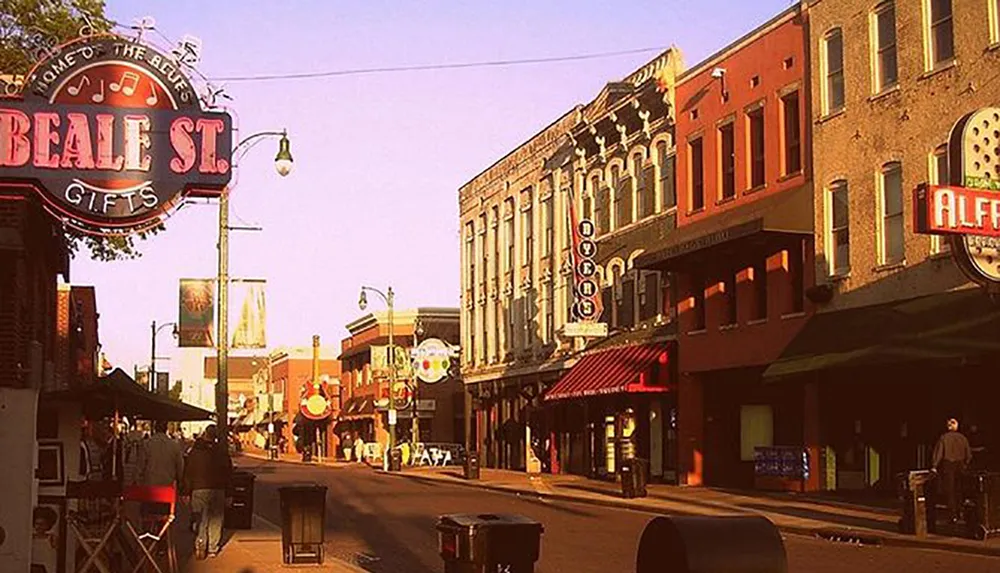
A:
(612, 371)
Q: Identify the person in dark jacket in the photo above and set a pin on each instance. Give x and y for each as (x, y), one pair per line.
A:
(952, 456)
(207, 472)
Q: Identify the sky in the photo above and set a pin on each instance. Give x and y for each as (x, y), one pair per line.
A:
(373, 198)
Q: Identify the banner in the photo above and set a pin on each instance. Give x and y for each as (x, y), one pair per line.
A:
(249, 331)
(380, 363)
(196, 321)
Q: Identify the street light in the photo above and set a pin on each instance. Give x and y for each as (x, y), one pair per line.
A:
(283, 165)
(388, 297)
(151, 383)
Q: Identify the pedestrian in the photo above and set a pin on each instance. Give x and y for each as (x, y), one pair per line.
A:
(162, 464)
(952, 456)
(207, 473)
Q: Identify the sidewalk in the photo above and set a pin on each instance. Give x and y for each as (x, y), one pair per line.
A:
(258, 550)
(297, 459)
(791, 513)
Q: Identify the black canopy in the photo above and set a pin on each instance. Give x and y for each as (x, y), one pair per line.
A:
(118, 392)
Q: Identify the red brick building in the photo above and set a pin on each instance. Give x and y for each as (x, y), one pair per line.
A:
(741, 256)
(291, 371)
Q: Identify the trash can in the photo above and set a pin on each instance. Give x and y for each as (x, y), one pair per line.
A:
(919, 508)
(633, 476)
(982, 514)
(471, 543)
(472, 465)
(239, 513)
(395, 459)
(303, 522)
(724, 544)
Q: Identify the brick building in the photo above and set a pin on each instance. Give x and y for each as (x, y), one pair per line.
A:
(741, 255)
(291, 370)
(901, 341)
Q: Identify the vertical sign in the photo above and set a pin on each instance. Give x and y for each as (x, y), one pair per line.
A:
(587, 306)
(196, 320)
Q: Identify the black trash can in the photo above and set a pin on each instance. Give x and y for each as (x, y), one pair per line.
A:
(395, 459)
(726, 544)
(239, 514)
(472, 465)
(634, 476)
(982, 513)
(918, 515)
(489, 542)
(303, 523)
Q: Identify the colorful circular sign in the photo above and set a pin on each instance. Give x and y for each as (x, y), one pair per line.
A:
(111, 134)
(432, 360)
(975, 156)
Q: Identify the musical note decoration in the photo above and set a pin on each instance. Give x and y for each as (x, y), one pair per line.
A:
(99, 96)
(43, 44)
(75, 90)
(188, 51)
(10, 85)
(211, 94)
(126, 85)
(141, 25)
(87, 29)
(152, 99)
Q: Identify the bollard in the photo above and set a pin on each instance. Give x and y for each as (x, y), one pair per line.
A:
(471, 465)
(726, 544)
(919, 515)
(488, 543)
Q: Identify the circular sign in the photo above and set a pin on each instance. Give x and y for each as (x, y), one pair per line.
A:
(112, 136)
(586, 268)
(586, 288)
(585, 309)
(976, 166)
(402, 396)
(431, 360)
(586, 228)
(587, 248)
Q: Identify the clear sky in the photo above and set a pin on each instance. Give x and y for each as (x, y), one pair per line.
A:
(379, 159)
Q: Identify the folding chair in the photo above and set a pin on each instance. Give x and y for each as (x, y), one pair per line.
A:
(166, 495)
(96, 544)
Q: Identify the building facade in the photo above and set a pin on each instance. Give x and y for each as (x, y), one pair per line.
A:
(890, 81)
(280, 383)
(741, 254)
(366, 378)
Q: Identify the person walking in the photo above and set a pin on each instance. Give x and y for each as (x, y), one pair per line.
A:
(952, 456)
(206, 478)
(159, 461)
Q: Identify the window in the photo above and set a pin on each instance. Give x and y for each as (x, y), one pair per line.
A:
(550, 319)
(649, 296)
(760, 291)
(473, 349)
(839, 249)
(626, 306)
(833, 92)
(892, 214)
(942, 41)
(528, 232)
(755, 121)
(697, 175)
(509, 235)
(940, 176)
(643, 191)
(482, 251)
(668, 190)
(496, 242)
(994, 9)
(470, 255)
(884, 41)
(791, 133)
(623, 199)
(604, 210)
(550, 233)
(727, 157)
(729, 284)
(588, 197)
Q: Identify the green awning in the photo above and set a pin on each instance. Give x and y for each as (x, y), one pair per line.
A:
(947, 326)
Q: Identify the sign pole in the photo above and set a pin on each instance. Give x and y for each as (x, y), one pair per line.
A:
(222, 362)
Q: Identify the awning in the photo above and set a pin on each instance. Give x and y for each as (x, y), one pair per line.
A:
(357, 408)
(612, 371)
(117, 391)
(782, 214)
(947, 326)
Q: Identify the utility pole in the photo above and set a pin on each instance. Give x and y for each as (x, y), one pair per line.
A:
(222, 362)
(151, 383)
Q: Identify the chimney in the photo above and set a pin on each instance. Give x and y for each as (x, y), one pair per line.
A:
(315, 360)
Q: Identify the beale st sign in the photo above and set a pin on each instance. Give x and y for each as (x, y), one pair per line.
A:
(110, 133)
(967, 209)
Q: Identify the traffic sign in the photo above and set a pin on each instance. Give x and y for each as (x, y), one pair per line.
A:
(586, 228)
(586, 268)
(587, 288)
(588, 248)
(585, 309)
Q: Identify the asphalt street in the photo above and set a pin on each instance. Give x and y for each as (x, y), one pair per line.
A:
(387, 524)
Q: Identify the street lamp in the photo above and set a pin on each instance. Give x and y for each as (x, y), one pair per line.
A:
(418, 331)
(151, 383)
(283, 165)
(388, 297)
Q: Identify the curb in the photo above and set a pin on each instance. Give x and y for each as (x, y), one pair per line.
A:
(829, 533)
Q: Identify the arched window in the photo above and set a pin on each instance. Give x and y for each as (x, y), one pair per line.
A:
(833, 71)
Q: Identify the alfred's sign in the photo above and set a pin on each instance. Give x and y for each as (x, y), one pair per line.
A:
(967, 208)
(112, 135)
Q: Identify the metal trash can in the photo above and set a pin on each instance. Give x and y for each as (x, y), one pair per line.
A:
(239, 514)
(982, 514)
(303, 523)
(725, 544)
(395, 459)
(634, 476)
(472, 465)
(489, 542)
(919, 507)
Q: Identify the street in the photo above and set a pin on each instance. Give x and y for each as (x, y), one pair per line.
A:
(387, 524)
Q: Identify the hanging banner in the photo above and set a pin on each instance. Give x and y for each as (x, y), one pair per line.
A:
(196, 319)
(111, 135)
(250, 331)
(380, 363)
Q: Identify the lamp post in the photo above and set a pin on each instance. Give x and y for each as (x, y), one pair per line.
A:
(388, 297)
(418, 331)
(152, 356)
(283, 165)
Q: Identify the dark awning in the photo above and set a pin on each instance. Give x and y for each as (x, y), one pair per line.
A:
(357, 407)
(611, 371)
(782, 214)
(947, 326)
(117, 391)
